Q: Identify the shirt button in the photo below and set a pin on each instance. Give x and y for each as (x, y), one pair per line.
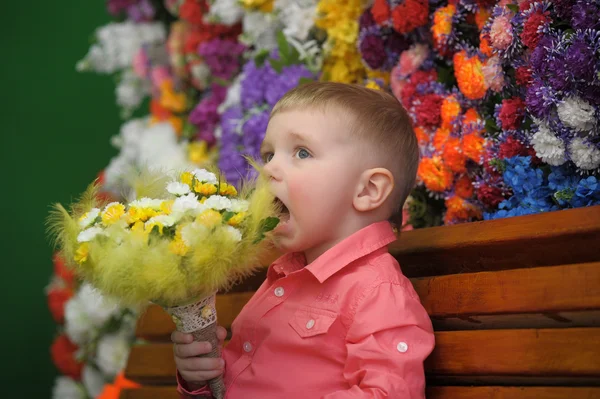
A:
(247, 346)
(310, 324)
(279, 291)
(402, 347)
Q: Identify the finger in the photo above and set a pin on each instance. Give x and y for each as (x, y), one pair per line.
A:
(200, 364)
(200, 377)
(192, 350)
(221, 333)
(181, 338)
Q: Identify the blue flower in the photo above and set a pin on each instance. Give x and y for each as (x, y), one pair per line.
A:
(587, 192)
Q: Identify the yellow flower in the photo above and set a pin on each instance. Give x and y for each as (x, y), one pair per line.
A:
(262, 5)
(205, 189)
(198, 152)
(82, 253)
(372, 85)
(206, 312)
(113, 213)
(187, 178)
(227, 189)
(178, 247)
(167, 206)
(136, 214)
(171, 100)
(209, 218)
(138, 228)
(237, 219)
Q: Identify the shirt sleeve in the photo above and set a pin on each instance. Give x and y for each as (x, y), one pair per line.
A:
(202, 393)
(388, 340)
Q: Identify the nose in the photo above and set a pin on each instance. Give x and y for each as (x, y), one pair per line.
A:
(273, 169)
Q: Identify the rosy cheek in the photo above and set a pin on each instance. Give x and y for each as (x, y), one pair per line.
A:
(301, 194)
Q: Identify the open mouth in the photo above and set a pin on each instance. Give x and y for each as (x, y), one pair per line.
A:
(283, 210)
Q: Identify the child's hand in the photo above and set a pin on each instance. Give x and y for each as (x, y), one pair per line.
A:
(196, 370)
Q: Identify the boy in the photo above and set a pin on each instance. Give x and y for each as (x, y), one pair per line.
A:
(335, 317)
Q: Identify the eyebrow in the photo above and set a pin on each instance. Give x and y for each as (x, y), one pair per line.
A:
(264, 146)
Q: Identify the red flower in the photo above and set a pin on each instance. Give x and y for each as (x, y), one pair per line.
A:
(410, 15)
(57, 299)
(193, 11)
(530, 35)
(464, 187)
(512, 112)
(408, 91)
(380, 11)
(513, 147)
(428, 110)
(63, 356)
(489, 195)
(523, 76)
(62, 271)
(524, 5)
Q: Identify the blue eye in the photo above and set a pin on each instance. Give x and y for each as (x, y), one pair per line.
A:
(303, 154)
(267, 157)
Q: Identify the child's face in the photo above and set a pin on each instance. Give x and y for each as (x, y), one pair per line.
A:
(314, 165)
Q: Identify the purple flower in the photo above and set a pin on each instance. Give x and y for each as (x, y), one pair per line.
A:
(563, 8)
(205, 115)
(539, 99)
(581, 60)
(558, 75)
(254, 132)
(231, 161)
(288, 79)
(539, 55)
(137, 10)
(222, 57)
(366, 19)
(586, 15)
(253, 85)
(373, 51)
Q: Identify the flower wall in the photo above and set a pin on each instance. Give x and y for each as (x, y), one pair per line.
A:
(504, 97)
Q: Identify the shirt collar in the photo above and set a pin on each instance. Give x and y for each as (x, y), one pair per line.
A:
(354, 247)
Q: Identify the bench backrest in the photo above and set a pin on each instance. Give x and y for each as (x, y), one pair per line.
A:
(515, 304)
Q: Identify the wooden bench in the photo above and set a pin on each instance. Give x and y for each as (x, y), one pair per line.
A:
(515, 304)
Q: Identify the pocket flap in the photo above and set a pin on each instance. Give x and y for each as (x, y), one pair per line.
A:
(309, 321)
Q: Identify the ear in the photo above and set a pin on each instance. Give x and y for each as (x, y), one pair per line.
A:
(375, 186)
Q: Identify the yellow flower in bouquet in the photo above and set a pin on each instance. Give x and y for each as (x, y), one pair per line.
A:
(195, 236)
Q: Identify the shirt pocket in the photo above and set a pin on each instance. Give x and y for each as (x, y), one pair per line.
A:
(309, 322)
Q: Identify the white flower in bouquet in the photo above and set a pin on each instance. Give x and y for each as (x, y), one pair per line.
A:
(577, 114)
(236, 234)
(260, 30)
(117, 44)
(88, 235)
(297, 16)
(547, 146)
(67, 388)
(112, 353)
(86, 312)
(238, 205)
(178, 188)
(93, 380)
(218, 202)
(205, 176)
(89, 217)
(226, 12)
(185, 203)
(584, 156)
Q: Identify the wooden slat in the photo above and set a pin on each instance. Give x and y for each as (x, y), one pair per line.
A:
(156, 325)
(448, 392)
(497, 392)
(554, 293)
(552, 238)
(572, 352)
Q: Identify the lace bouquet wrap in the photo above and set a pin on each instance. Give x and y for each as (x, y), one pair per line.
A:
(176, 245)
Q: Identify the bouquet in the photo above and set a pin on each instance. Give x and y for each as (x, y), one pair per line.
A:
(176, 245)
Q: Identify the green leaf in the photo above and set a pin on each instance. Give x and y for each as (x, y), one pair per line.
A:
(261, 57)
(283, 45)
(304, 80)
(513, 7)
(189, 130)
(266, 225)
(228, 215)
(490, 126)
(276, 64)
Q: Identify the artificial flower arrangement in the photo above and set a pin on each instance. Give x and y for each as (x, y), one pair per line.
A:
(176, 245)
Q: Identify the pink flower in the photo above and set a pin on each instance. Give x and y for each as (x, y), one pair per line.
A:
(140, 63)
(493, 75)
(159, 75)
(411, 60)
(501, 32)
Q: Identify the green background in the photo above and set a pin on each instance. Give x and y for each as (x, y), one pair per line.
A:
(56, 141)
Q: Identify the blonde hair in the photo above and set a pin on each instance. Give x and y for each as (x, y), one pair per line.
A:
(379, 119)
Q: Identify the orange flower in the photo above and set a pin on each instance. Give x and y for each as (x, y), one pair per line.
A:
(484, 45)
(459, 210)
(170, 99)
(481, 16)
(381, 11)
(435, 175)
(464, 187)
(112, 391)
(453, 156)
(442, 24)
(450, 111)
(469, 75)
(422, 135)
(474, 147)
(440, 138)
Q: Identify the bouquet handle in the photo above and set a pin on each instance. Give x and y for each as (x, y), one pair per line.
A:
(200, 320)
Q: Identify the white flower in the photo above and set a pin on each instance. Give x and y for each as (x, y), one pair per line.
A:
(185, 203)
(584, 156)
(89, 218)
(234, 94)
(131, 91)
(548, 147)
(177, 188)
(577, 114)
(117, 43)
(226, 12)
(165, 220)
(297, 16)
(93, 380)
(260, 30)
(234, 233)
(217, 202)
(113, 350)
(67, 388)
(238, 205)
(205, 176)
(88, 235)
(86, 312)
(146, 202)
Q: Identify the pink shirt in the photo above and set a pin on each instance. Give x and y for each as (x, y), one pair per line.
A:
(349, 325)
